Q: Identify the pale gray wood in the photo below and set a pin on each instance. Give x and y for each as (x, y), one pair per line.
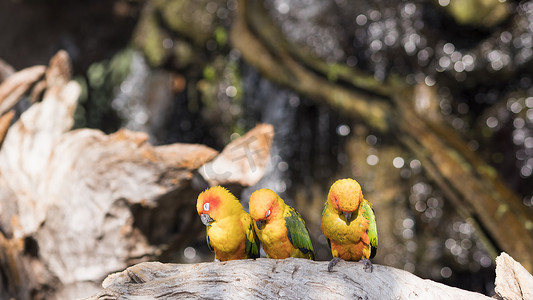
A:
(513, 281)
(291, 278)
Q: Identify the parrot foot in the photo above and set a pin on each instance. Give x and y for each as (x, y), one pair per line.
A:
(333, 262)
(368, 267)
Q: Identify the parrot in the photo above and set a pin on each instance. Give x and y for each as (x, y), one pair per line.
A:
(349, 224)
(279, 227)
(229, 229)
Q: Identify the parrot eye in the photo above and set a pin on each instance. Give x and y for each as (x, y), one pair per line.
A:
(206, 206)
(267, 214)
(337, 202)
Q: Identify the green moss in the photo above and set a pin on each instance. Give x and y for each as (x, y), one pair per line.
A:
(96, 74)
(488, 170)
(333, 72)
(174, 13)
(120, 65)
(184, 53)
(189, 18)
(149, 38)
(484, 13)
(103, 80)
(209, 72)
(79, 113)
(221, 36)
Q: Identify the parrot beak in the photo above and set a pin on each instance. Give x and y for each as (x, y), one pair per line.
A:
(348, 216)
(206, 219)
(260, 224)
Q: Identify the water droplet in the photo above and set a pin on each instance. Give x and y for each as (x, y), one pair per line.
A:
(398, 162)
(408, 223)
(528, 142)
(519, 123)
(189, 253)
(466, 244)
(283, 8)
(485, 261)
(420, 206)
(231, 91)
(516, 107)
(410, 8)
(415, 164)
(429, 81)
(411, 246)
(372, 160)
(526, 171)
(409, 267)
(458, 123)
(449, 243)
(168, 43)
(445, 272)
(281, 187)
(529, 102)
(448, 48)
(473, 145)
(459, 66)
(283, 166)
(361, 20)
(343, 130)
(407, 234)
(371, 140)
(462, 108)
(445, 62)
(492, 122)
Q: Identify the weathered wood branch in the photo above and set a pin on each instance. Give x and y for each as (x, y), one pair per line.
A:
(512, 279)
(17, 85)
(291, 278)
(476, 190)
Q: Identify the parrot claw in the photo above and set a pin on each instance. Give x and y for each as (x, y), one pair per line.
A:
(333, 262)
(368, 267)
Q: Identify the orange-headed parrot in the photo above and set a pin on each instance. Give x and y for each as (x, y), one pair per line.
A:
(349, 224)
(280, 228)
(229, 229)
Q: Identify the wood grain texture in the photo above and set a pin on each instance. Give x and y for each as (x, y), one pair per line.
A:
(291, 278)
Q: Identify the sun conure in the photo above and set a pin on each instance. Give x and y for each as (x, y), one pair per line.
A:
(229, 229)
(280, 228)
(349, 224)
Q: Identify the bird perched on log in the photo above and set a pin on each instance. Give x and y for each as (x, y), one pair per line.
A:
(229, 229)
(349, 224)
(280, 228)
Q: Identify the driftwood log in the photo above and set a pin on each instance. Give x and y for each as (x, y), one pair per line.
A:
(76, 205)
(295, 278)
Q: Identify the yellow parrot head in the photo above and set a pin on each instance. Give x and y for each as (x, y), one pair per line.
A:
(214, 203)
(345, 195)
(264, 206)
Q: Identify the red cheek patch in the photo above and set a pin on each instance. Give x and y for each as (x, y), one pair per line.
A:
(214, 201)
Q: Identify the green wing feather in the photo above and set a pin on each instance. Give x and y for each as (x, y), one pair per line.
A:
(323, 212)
(252, 242)
(207, 239)
(298, 233)
(372, 228)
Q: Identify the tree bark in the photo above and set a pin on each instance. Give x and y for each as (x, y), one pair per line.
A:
(291, 278)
